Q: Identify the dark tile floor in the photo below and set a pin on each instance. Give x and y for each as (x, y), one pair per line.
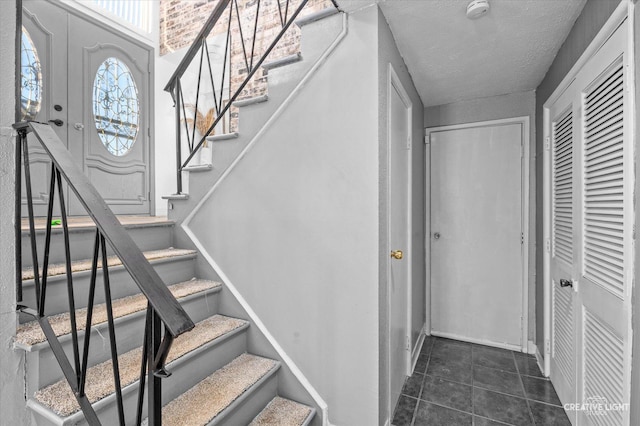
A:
(457, 384)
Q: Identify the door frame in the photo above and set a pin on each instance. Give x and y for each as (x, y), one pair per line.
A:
(394, 83)
(525, 214)
(622, 12)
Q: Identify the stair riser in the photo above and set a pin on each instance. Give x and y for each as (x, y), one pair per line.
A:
(42, 368)
(172, 270)
(184, 375)
(82, 240)
(251, 406)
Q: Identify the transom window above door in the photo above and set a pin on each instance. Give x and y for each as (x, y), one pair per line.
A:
(116, 106)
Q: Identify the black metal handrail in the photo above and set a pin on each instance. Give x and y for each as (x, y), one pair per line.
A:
(249, 63)
(164, 313)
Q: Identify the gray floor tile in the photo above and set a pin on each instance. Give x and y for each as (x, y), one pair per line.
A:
(494, 358)
(404, 411)
(427, 345)
(449, 394)
(481, 421)
(413, 385)
(548, 415)
(421, 364)
(540, 390)
(504, 408)
(450, 351)
(450, 369)
(497, 380)
(528, 366)
(433, 415)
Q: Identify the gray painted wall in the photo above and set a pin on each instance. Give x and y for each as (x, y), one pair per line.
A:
(590, 21)
(388, 54)
(494, 108)
(295, 227)
(12, 401)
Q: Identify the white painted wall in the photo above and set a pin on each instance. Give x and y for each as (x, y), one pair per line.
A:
(295, 227)
(494, 108)
(12, 401)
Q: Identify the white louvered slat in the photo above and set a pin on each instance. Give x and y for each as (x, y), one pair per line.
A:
(563, 347)
(603, 368)
(603, 246)
(563, 187)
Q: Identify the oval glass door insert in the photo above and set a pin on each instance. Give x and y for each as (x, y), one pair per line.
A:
(30, 78)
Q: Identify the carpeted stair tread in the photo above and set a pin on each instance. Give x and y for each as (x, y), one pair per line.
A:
(282, 412)
(203, 402)
(85, 264)
(59, 397)
(30, 333)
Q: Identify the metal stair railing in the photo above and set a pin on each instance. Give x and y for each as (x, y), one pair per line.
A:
(251, 61)
(165, 318)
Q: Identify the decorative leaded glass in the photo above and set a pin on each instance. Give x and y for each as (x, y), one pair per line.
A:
(116, 107)
(30, 78)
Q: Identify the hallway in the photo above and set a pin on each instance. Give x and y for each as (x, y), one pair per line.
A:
(457, 383)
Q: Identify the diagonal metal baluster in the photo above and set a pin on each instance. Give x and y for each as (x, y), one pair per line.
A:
(143, 366)
(224, 62)
(87, 329)
(32, 225)
(112, 332)
(195, 113)
(280, 13)
(286, 12)
(244, 49)
(213, 84)
(190, 140)
(47, 241)
(255, 31)
(67, 253)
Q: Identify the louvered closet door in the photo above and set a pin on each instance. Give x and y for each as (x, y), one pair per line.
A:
(564, 253)
(606, 209)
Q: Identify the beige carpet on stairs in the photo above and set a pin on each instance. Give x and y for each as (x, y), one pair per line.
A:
(30, 333)
(59, 397)
(282, 412)
(203, 402)
(85, 264)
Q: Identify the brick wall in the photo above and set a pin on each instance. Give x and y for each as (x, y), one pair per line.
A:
(181, 20)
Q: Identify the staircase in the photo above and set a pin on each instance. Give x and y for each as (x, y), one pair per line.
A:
(215, 378)
(224, 371)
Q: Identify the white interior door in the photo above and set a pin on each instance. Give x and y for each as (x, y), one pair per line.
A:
(399, 214)
(477, 234)
(592, 241)
(564, 256)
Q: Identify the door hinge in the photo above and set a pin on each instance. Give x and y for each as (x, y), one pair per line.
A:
(408, 143)
(408, 343)
(547, 143)
(427, 139)
(522, 238)
(547, 346)
(547, 244)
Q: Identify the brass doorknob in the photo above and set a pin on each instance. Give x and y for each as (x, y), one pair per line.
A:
(396, 254)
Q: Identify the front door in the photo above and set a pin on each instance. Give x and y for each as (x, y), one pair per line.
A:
(591, 237)
(95, 92)
(477, 233)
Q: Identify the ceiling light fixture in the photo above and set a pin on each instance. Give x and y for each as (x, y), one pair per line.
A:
(477, 8)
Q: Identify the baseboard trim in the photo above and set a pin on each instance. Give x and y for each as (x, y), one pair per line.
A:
(540, 361)
(418, 348)
(485, 342)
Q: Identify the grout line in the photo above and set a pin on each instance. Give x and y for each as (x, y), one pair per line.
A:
(493, 420)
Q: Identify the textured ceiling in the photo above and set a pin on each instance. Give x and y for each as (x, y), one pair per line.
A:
(452, 58)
